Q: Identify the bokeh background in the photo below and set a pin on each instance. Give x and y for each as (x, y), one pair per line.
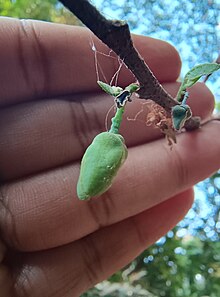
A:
(185, 262)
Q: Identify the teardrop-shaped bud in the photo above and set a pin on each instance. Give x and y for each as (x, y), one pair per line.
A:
(100, 164)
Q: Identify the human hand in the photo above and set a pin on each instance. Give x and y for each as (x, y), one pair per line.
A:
(51, 108)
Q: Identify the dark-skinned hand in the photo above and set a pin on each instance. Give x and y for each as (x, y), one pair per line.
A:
(51, 107)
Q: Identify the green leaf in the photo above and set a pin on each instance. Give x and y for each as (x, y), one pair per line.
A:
(198, 71)
(194, 75)
(111, 90)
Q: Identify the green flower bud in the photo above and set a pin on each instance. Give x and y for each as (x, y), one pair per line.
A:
(100, 164)
(180, 113)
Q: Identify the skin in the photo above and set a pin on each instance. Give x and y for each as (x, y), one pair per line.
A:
(55, 244)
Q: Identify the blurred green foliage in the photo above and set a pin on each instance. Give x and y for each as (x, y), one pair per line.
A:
(180, 267)
(217, 106)
(48, 10)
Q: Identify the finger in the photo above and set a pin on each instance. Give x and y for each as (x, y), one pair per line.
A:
(35, 211)
(42, 135)
(97, 256)
(42, 59)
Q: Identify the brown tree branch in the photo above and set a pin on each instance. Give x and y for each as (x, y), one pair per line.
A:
(116, 35)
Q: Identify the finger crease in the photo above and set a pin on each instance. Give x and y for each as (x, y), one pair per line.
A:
(92, 260)
(101, 213)
(42, 73)
(7, 222)
(83, 128)
(142, 240)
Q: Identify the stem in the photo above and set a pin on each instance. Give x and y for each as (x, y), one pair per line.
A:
(180, 94)
(116, 120)
(185, 98)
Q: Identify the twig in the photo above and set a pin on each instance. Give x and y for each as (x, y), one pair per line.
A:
(116, 35)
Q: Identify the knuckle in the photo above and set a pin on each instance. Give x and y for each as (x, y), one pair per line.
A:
(32, 57)
(180, 169)
(86, 122)
(141, 238)
(101, 210)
